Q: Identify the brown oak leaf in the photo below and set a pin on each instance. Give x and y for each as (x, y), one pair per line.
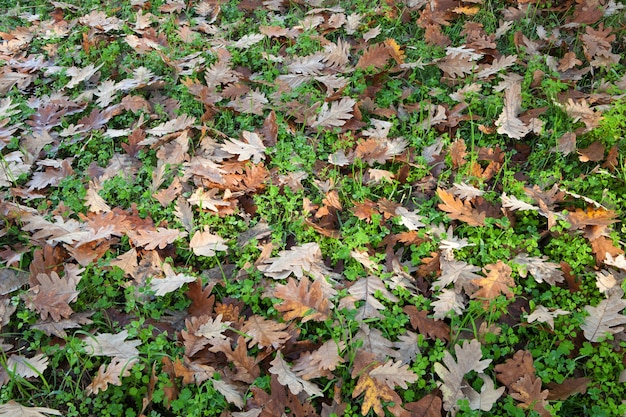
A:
(302, 300)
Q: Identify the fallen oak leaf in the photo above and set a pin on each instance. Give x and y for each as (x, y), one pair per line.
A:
(460, 210)
(254, 148)
(302, 300)
(205, 243)
(530, 395)
(110, 374)
(265, 332)
(158, 238)
(171, 282)
(287, 378)
(13, 409)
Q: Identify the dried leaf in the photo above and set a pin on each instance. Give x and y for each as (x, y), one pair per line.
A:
(336, 115)
(604, 318)
(13, 409)
(508, 123)
(287, 378)
(460, 210)
(498, 281)
(530, 395)
(205, 243)
(394, 374)
(263, 332)
(113, 345)
(543, 315)
(302, 300)
(452, 374)
(110, 374)
(253, 149)
(158, 238)
(541, 270)
(27, 367)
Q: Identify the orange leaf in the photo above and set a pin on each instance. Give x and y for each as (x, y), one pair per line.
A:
(460, 210)
(498, 281)
(300, 300)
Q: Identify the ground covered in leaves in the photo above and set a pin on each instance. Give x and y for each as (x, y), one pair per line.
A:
(312, 208)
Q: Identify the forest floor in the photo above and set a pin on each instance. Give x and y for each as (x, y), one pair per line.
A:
(312, 208)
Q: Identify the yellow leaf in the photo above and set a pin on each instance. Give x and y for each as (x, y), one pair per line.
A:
(466, 10)
(394, 50)
(375, 392)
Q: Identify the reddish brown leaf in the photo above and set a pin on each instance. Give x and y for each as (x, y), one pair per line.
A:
(530, 395)
(592, 153)
(434, 329)
(246, 368)
(428, 406)
(514, 368)
(569, 387)
(201, 299)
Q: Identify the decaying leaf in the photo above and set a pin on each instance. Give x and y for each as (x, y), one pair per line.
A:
(452, 374)
(543, 315)
(113, 345)
(110, 374)
(335, 115)
(605, 318)
(287, 378)
(460, 210)
(171, 282)
(13, 409)
(302, 300)
(530, 395)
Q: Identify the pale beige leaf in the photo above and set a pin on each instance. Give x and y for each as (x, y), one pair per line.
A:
(171, 282)
(80, 74)
(605, 280)
(452, 372)
(466, 191)
(253, 149)
(298, 260)
(13, 409)
(539, 268)
(27, 367)
(213, 328)
(460, 273)
(307, 65)
(208, 199)
(112, 345)
(605, 318)
(152, 239)
(229, 392)
(206, 244)
(335, 115)
(287, 378)
(508, 123)
(409, 219)
(514, 203)
(543, 315)
(174, 125)
(486, 398)
(394, 374)
(448, 301)
(247, 41)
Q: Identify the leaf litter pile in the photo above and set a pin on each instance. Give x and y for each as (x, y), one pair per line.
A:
(308, 208)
